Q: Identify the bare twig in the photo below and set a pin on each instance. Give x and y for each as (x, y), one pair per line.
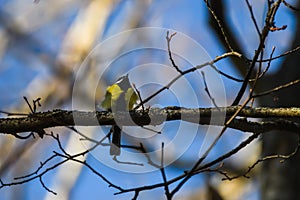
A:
(150, 162)
(11, 114)
(290, 6)
(269, 22)
(219, 25)
(269, 63)
(204, 156)
(26, 100)
(207, 90)
(271, 157)
(163, 173)
(276, 88)
(35, 102)
(169, 38)
(210, 63)
(40, 172)
(226, 75)
(281, 55)
(126, 162)
(44, 186)
(253, 18)
(199, 170)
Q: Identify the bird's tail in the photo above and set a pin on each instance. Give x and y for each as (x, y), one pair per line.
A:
(116, 141)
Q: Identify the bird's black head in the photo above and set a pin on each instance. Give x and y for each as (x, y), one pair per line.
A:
(123, 82)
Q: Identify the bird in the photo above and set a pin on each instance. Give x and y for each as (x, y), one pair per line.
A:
(120, 96)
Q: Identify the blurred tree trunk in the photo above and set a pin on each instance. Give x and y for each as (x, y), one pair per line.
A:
(282, 180)
(278, 180)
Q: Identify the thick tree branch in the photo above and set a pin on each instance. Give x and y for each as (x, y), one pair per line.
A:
(36, 122)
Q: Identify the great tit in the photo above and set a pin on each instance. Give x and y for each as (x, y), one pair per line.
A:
(119, 97)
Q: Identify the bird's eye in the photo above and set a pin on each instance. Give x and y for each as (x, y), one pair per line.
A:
(119, 81)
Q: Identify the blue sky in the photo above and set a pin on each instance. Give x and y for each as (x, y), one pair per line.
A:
(33, 56)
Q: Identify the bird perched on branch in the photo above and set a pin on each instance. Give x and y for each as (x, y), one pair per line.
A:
(119, 97)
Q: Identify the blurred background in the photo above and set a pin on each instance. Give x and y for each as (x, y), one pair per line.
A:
(44, 45)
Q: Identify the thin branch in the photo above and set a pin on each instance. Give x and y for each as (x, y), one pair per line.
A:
(210, 63)
(126, 162)
(226, 75)
(211, 146)
(269, 22)
(35, 103)
(242, 145)
(271, 157)
(26, 180)
(163, 173)
(26, 100)
(207, 90)
(150, 162)
(40, 172)
(290, 6)
(199, 170)
(46, 188)
(169, 38)
(219, 25)
(281, 55)
(253, 18)
(42, 164)
(136, 194)
(269, 63)
(231, 77)
(292, 83)
(11, 114)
